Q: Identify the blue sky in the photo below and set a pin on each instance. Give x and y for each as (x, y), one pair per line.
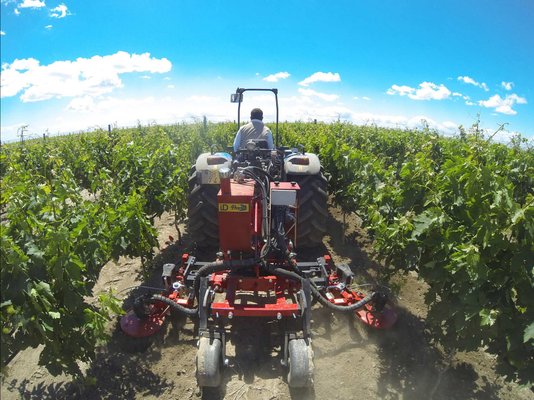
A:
(75, 65)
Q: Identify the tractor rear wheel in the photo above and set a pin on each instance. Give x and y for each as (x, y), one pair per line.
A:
(209, 362)
(300, 364)
(202, 213)
(313, 209)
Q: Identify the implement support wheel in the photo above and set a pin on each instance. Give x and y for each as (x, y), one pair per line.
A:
(209, 362)
(300, 364)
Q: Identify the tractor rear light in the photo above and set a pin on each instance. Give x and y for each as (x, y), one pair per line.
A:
(216, 160)
(300, 161)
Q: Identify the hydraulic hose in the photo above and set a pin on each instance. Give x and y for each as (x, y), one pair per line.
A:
(184, 310)
(285, 273)
(281, 272)
(202, 271)
(220, 266)
(353, 307)
(266, 227)
(317, 294)
(269, 176)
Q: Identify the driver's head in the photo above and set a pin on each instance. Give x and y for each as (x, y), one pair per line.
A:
(256, 113)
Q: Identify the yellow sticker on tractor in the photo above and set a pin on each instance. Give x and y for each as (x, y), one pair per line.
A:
(233, 207)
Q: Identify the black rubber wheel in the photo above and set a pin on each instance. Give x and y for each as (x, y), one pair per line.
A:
(209, 362)
(313, 209)
(300, 364)
(202, 213)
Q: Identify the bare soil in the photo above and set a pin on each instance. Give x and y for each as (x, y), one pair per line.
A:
(351, 360)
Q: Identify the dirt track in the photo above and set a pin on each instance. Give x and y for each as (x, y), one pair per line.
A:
(351, 361)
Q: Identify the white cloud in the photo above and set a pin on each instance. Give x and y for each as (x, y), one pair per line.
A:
(85, 103)
(276, 77)
(32, 4)
(84, 112)
(17, 12)
(471, 81)
(60, 11)
(321, 77)
(463, 96)
(449, 125)
(430, 91)
(503, 106)
(87, 112)
(503, 136)
(507, 85)
(313, 111)
(2, 33)
(48, 27)
(85, 76)
(362, 98)
(468, 80)
(400, 90)
(426, 91)
(313, 93)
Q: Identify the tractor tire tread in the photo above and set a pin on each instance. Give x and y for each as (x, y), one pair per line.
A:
(313, 209)
(202, 213)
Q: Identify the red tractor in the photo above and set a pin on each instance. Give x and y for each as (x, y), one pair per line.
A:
(260, 206)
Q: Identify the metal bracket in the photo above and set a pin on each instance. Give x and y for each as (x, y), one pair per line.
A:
(202, 305)
(346, 274)
(306, 309)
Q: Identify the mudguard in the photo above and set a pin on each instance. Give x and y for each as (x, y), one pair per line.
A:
(208, 166)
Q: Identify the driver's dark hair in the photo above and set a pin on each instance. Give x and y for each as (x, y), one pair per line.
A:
(256, 113)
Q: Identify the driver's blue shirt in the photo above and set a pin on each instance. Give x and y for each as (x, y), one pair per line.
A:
(255, 129)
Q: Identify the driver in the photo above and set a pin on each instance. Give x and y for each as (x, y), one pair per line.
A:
(255, 129)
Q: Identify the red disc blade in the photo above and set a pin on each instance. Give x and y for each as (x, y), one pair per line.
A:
(141, 327)
(384, 319)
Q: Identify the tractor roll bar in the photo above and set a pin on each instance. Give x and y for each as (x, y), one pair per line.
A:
(240, 91)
